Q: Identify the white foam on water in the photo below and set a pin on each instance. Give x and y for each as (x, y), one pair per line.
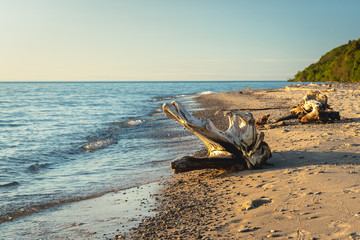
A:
(206, 93)
(99, 144)
(134, 122)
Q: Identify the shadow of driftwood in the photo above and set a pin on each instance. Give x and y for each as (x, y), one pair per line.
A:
(288, 159)
(296, 159)
(352, 119)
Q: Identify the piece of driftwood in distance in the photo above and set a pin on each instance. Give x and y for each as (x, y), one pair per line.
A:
(288, 117)
(262, 120)
(312, 108)
(249, 109)
(241, 144)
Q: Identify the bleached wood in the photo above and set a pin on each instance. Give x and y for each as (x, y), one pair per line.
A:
(240, 142)
(312, 108)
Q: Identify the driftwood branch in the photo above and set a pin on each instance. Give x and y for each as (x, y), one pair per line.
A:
(189, 163)
(312, 108)
(240, 144)
(249, 109)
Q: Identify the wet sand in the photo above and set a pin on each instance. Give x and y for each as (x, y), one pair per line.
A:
(311, 192)
(96, 218)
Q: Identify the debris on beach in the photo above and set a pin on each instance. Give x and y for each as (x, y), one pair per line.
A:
(240, 147)
(252, 204)
(312, 108)
(262, 120)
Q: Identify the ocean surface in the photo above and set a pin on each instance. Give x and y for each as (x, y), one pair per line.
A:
(68, 141)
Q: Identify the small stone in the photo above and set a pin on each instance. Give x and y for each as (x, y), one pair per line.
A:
(354, 236)
(273, 235)
(244, 230)
(317, 193)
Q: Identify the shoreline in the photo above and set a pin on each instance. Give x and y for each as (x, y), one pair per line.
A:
(59, 222)
(96, 218)
(311, 192)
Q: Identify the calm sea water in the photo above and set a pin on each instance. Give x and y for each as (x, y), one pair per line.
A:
(62, 142)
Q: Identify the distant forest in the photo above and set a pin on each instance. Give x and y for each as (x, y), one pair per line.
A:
(342, 64)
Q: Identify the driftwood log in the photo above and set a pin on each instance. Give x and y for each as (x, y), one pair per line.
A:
(240, 147)
(312, 108)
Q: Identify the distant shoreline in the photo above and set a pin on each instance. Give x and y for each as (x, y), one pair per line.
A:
(144, 81)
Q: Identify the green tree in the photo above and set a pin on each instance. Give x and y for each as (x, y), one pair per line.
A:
(342, 64)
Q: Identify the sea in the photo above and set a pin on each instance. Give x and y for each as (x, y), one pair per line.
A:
(64, 142)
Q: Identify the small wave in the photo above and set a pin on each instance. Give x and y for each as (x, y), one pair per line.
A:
(134, 122)
(159, 99)
(36, 167)
(206, 93)
(98, 144)
(159, 161)
(157, 112)
(108, 136)
(130, 123)
(12, 184)
(11, 125)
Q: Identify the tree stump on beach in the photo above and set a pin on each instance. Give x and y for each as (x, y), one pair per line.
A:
(312, 108)
(240, 147)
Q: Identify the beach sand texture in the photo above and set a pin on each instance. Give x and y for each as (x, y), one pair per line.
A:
(311, 192)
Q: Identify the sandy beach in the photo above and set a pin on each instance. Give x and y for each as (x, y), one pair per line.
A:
(310, 192)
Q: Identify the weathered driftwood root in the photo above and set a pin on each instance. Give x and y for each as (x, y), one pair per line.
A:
(312, 108)
(239, 147)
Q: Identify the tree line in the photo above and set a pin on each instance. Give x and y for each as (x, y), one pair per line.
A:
(342, 64)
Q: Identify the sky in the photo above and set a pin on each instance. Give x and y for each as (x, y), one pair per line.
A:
(159, 40)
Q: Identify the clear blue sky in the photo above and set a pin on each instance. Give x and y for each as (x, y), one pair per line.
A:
(118, 40)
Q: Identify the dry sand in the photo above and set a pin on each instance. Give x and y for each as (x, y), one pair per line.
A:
(311, 192)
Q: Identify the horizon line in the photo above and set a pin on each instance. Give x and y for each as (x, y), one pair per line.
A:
(109, 81)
